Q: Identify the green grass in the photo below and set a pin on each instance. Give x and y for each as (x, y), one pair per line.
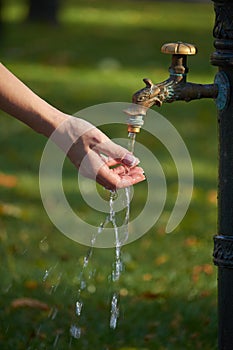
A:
(100, 52)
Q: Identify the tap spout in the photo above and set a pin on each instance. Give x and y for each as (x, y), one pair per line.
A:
(175, 88)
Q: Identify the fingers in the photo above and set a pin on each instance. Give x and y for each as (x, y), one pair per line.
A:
(101, 153)
(129, 161)
(124, 171)
(116, 154)
(119, 177)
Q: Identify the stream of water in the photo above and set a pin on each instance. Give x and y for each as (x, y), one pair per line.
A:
(118, 264)
(117, 267)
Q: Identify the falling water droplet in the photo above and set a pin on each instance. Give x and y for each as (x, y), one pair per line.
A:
(117, 266)
(79, 306)
(56, 340)
(53, 313)
(114, 311)
(83, 285)
(75, 331)
(117, 269)
(46, 275)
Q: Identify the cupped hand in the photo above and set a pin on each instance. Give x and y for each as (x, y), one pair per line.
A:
(96, 156)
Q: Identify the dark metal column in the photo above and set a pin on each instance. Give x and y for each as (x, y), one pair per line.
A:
(223, 242)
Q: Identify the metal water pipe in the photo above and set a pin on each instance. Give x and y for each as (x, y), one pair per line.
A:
(177, 88)
(223, 241)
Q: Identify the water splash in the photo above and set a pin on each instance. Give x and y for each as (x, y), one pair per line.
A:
(79, 306)
(75, 331)
(46, 275)
(53, 313)
(56, 340)
(118, 264)
(117, 267)
(114, 311)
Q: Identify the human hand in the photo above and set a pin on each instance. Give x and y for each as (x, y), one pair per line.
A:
(96, 156)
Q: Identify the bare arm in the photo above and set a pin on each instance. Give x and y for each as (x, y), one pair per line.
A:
(19, 101)
(87, 142)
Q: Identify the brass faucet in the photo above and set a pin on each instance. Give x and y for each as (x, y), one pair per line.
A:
(175, 88)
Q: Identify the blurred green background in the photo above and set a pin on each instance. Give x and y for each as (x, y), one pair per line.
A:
(99, 51)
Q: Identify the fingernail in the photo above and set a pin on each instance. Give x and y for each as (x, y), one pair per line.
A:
(130, 160)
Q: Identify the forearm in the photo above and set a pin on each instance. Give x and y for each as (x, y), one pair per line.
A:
(83, 143)
(19, 101)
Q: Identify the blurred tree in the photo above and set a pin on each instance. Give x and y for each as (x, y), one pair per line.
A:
(43, 10)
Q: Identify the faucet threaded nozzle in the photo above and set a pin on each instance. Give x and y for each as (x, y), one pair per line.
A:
(134, 120)
(134, 129)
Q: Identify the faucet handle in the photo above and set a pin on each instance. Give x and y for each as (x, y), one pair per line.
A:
(179, 48)
(179, 52)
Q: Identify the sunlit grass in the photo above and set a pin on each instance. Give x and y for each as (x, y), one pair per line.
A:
(14, 12)
(138, 15)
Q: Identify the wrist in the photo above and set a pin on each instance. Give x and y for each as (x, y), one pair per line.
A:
(48, 120)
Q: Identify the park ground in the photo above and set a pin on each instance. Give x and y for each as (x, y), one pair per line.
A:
(99, 53)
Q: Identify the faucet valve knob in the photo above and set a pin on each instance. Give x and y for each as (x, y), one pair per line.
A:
(179, 52)
(179, 48)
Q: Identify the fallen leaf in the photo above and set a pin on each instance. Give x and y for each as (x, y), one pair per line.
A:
(205, 293)
(150, 295)
(192, 242)
(208, 269)
(196, 273)
(147, 277)
(162, 259)
(31, 303)
(31, 284)
(212, 197)
(8, 181)
(124, 292)
(197, 270)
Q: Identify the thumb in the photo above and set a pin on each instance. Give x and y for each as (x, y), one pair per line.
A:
(130, 160)
(118, 153)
